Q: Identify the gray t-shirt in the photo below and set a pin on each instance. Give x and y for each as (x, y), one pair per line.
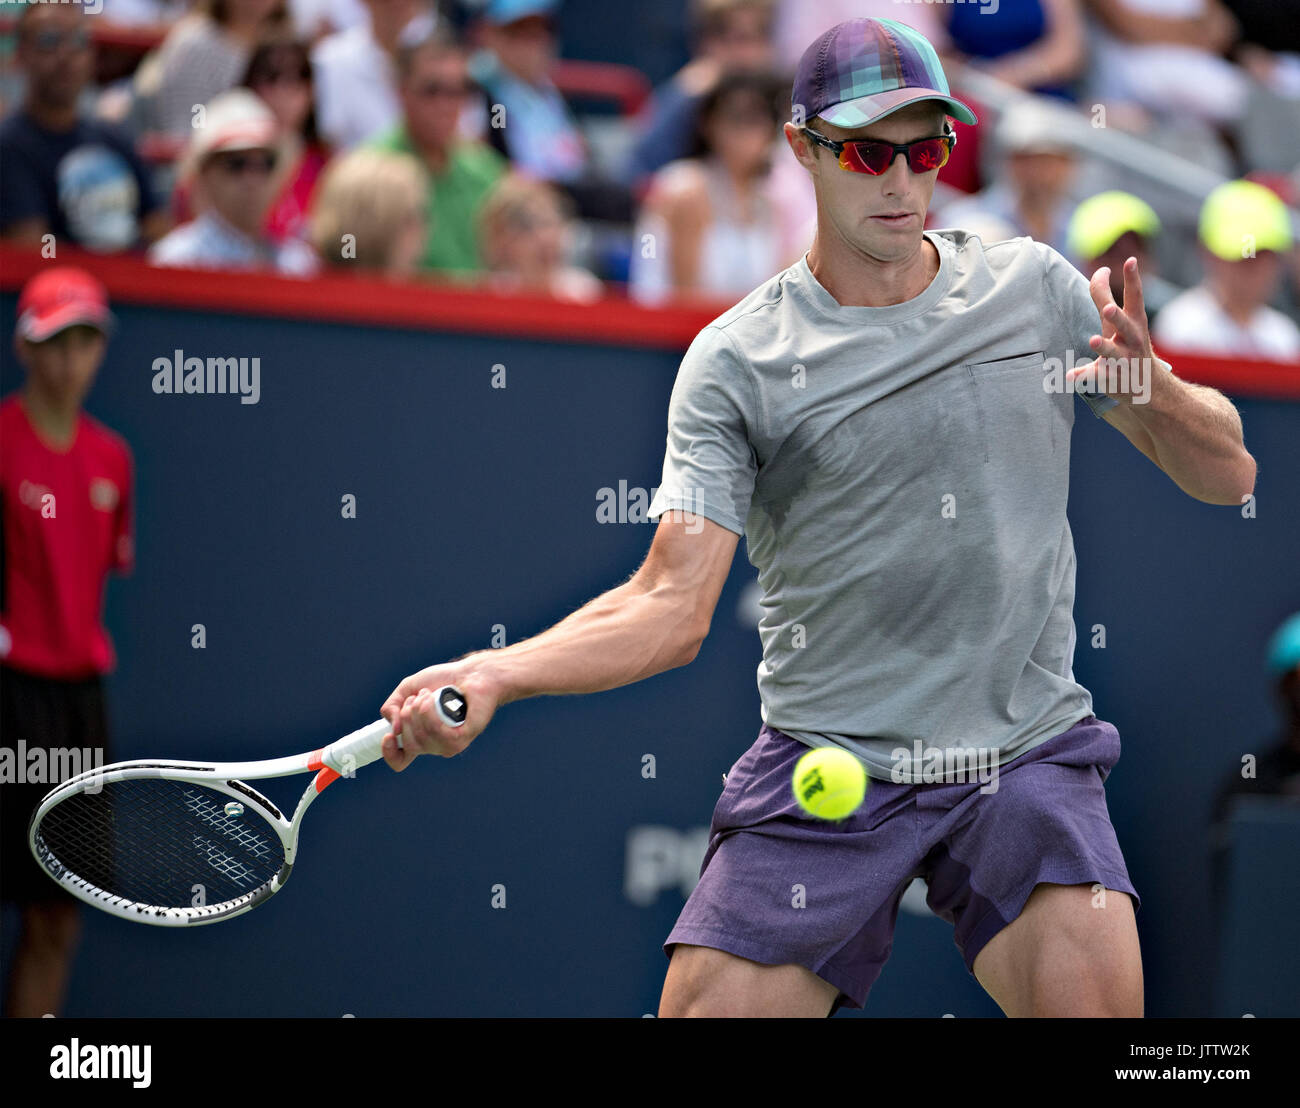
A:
(900, 475)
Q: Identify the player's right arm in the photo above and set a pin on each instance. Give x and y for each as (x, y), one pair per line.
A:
(653, 622)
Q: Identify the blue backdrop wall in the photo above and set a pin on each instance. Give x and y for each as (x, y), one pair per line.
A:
(476, 516)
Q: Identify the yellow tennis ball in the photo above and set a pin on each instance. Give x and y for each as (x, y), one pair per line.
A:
(829, 783)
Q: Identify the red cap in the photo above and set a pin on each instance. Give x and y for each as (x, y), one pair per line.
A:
(60, 298)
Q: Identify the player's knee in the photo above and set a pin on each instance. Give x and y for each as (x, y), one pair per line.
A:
(1120, 997)
(1094, 966)
(1108, 992)
(692, 983)
(683, 1007)
(703, 981)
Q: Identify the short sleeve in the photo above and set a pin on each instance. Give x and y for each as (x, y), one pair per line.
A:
(709, 465)
(1069, 292)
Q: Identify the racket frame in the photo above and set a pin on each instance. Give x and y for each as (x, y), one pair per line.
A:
(340, 759)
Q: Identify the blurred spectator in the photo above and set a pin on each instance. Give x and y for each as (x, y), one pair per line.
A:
(538, 135)
(798, 23)
(1036, 45)
(1245, 230)
(727, 35)
(231, 160)
(371, 212)
(205, 53)
(526, 235)
(1269, 47)
(528, 119)
(280, 73)
(1268, 23)
(1031, 193)
(356, 72)
(434, 85)
(54, 649)
(1276, 772)
(1286, 186)
(1107, 230)
(708, 226)
(62, 172)
(315, 19)
(1166, 58)
(1269, 50)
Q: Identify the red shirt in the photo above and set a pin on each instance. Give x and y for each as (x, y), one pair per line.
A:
(66, 521)
(288, 215)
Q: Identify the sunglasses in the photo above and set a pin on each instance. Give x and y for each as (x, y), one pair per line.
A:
(874, 157)
(262, 161)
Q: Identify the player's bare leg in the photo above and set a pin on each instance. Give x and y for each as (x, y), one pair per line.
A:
(42, 962)
(1070, 952)
(702, 981)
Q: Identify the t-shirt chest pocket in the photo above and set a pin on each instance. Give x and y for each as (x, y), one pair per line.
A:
(1011, 406)
(1002, 367)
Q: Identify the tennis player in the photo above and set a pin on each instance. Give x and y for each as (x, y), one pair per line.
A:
(888, 422)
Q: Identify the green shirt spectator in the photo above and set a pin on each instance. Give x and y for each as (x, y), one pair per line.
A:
(433, 88)
(469, 172)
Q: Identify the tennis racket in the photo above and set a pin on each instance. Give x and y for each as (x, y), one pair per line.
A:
(181, 843)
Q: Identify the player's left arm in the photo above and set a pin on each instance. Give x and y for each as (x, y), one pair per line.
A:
(1191, 432)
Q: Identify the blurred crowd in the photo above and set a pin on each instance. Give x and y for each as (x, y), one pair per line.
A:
(413, 139)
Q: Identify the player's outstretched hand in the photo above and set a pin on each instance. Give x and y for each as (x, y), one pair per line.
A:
(1125, 339)
(411, 712)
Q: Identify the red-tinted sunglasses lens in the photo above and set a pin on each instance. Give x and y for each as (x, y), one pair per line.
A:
(875, 157)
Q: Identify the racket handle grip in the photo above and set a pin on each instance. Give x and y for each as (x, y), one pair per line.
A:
(350, 753)
(347, 755)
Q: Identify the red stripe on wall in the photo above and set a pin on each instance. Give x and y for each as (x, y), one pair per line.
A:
(372, 301)
(1240, 376)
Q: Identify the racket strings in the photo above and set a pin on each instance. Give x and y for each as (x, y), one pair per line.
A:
(166, 843)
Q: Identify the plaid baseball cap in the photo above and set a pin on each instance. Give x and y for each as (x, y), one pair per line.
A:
(862, 70)
(59, 298)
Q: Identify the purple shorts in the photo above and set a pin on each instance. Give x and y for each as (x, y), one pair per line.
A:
(780, 887)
